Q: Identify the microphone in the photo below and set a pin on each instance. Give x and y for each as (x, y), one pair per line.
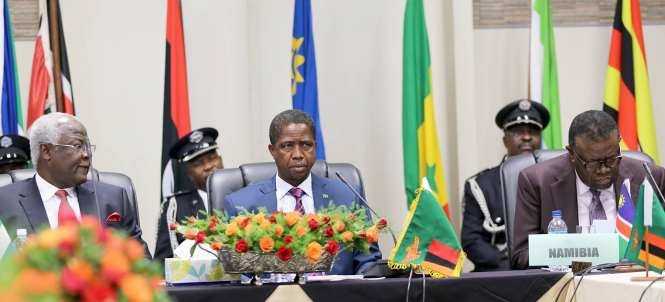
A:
(652, 181)
(364, 201)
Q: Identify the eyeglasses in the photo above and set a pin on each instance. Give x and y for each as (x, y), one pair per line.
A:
(86, 148)
(594, 165)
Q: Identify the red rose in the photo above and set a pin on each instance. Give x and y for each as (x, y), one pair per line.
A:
(332, 247)
(71, 282)
(328, 232)
(173, 226)
(381, 224)
(212, 224)
(98, 291)
(288, 239)
(284, 253)
(241, 246)
(200, 236)
(313, 224)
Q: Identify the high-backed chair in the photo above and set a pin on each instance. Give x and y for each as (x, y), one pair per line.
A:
(225, 181)
(510, 170)
(112, 178)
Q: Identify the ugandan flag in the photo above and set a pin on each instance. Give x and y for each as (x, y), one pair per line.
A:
(428, 241)
(176, 121)
(649, 212)
(627, 95)
(422, 157)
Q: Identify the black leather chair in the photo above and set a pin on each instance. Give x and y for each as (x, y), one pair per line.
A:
(510, 170)
(112, 178)
(226, 181)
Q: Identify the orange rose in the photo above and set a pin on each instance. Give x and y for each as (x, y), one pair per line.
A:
(49, 238)
(136, 288)
(265, 225)
(231, 229)
(292, 218)
(347, 236)
(372, 235)
(82, 269)
(313, 251)
(340, 226)
(37, 282)
(190, 234)
(301, 231)
(216, 246)
(134, 250)
(114, 264)
(279, 230)
(266, 244)
(259, 218)
(242, 221)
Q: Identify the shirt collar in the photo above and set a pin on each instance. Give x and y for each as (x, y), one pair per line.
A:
(283, 187)
(47, 190)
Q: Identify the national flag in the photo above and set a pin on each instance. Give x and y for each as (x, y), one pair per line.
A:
(50, 81)
(422, 157)
(649, 212)
(11, 115)
(625, 216)
(304, 89)
(176, 121)
(627, 95)
(543, 77)
(428, 239)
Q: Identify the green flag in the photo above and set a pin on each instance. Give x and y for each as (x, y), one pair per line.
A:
(650, 212)
(543, 76)
(422, 157)
(428, 239)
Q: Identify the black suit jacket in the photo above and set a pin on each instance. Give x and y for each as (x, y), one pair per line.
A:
(552, 185)
(21, 207)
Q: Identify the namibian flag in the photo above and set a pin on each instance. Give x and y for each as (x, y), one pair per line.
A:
(176, 121)
(627, 95)
(649, 215)
(304, 87)
(11, 115)
(422, 157)
(625, 216)
(428, 239)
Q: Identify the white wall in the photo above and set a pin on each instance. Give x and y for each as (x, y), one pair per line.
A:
(238, 54)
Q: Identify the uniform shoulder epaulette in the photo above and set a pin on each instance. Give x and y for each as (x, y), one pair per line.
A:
(178, 194)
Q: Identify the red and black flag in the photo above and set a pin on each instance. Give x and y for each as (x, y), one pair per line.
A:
(176, 101)
(50, 81)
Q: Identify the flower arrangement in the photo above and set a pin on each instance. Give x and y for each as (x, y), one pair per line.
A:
(80, 262)
(286, 235)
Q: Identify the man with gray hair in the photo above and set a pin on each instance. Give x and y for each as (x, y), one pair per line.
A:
(583, 184)
(60, 191)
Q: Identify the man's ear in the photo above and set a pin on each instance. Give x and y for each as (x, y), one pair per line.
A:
(44, 152)
(505, 140)
(272, 149)
(571, 154)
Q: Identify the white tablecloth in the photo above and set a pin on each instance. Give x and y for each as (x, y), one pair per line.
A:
(616, 287)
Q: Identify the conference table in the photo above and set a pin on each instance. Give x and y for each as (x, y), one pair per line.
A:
(527, 285)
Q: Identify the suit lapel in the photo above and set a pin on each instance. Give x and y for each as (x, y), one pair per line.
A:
(268, 199)
(565, 198)
(33, 206)
(87, 202)
(320, 192)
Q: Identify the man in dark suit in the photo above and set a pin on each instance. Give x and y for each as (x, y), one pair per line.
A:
(483, 226)
(198, 151)
(583, 183)
(59, 191)
(295, 188)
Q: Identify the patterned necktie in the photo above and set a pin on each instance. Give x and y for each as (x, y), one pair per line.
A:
(65, 212)
(596, 211)
(297, 194)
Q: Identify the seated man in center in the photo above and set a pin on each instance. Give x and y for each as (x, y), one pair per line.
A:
(295, 188)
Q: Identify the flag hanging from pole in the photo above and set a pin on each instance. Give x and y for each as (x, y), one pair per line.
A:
(422, 157)
(50, 66)
(176, 122)
(649, 212)
(627, 94)
(11, 115)
(304, 89)
(543, 77)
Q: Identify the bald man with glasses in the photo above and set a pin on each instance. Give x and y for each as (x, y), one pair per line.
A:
(583, 184)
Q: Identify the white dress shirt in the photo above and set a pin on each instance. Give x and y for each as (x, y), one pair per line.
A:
(52, 202)
(287, 203)
(204, 198)
(584, 196)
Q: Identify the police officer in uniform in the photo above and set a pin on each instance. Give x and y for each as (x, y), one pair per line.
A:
(198, 151)
(14, 153)
(483, 229)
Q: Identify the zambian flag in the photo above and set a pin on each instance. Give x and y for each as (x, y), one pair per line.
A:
(627, 95)
(649, 213)
(422, 157)
(428, 241)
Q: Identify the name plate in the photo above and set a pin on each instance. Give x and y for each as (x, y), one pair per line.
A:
(562, 249)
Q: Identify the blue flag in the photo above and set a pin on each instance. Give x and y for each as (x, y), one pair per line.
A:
(304, 90)
(11, 116)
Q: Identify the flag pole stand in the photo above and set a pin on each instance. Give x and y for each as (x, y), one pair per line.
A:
(646, 277)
